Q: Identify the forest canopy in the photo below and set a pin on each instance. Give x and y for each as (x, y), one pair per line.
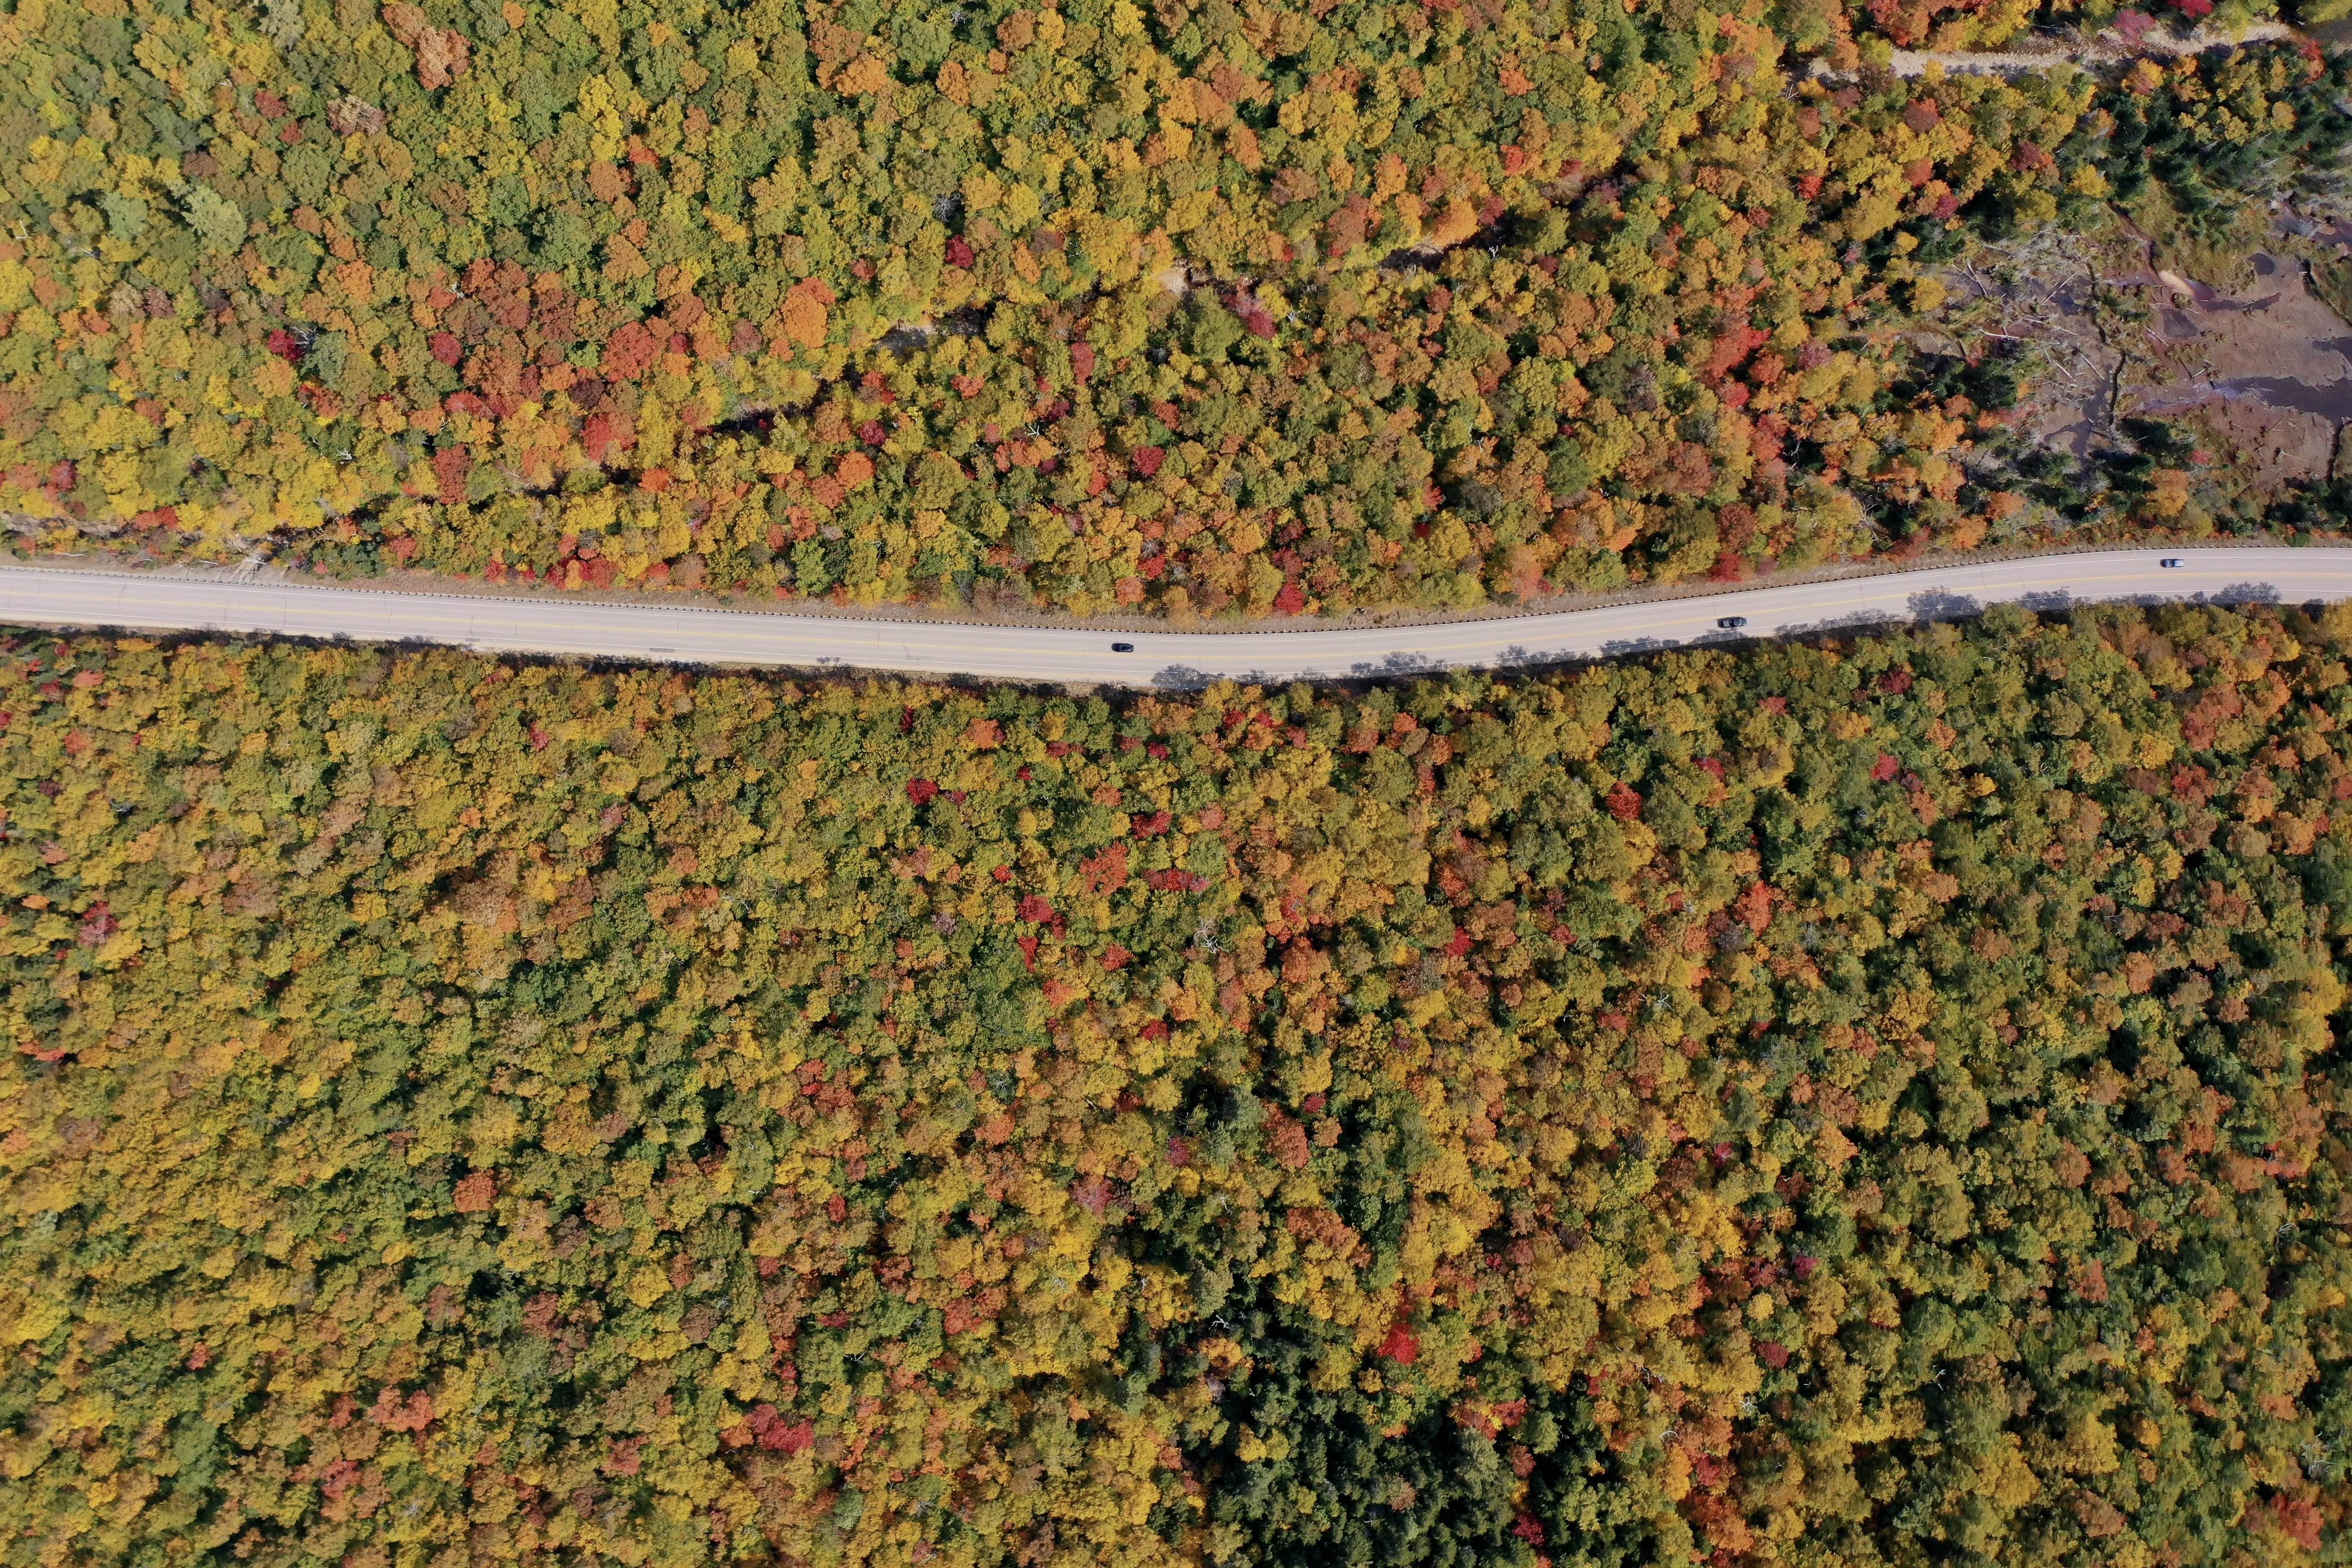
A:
(1872, 1102)
(1869, 1101)
(1192, 309)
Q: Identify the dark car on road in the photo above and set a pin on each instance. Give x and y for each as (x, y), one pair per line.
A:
(1732, 622)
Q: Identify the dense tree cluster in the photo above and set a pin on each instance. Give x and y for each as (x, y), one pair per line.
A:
(1208, 308)
(1876, 1102)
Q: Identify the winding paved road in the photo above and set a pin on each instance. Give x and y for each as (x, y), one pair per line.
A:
(36, 595)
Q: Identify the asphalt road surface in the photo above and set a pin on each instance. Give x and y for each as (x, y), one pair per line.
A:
(34, 595)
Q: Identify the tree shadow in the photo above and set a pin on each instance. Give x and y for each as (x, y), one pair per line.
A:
(2245, 594)
(1402, 662)
(1943, 605)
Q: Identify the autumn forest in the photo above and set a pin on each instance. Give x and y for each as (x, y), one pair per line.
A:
(1864, 1102)
(1873, 1102)
(1209, 310)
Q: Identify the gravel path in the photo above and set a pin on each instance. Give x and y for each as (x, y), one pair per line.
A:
(2109, 50)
